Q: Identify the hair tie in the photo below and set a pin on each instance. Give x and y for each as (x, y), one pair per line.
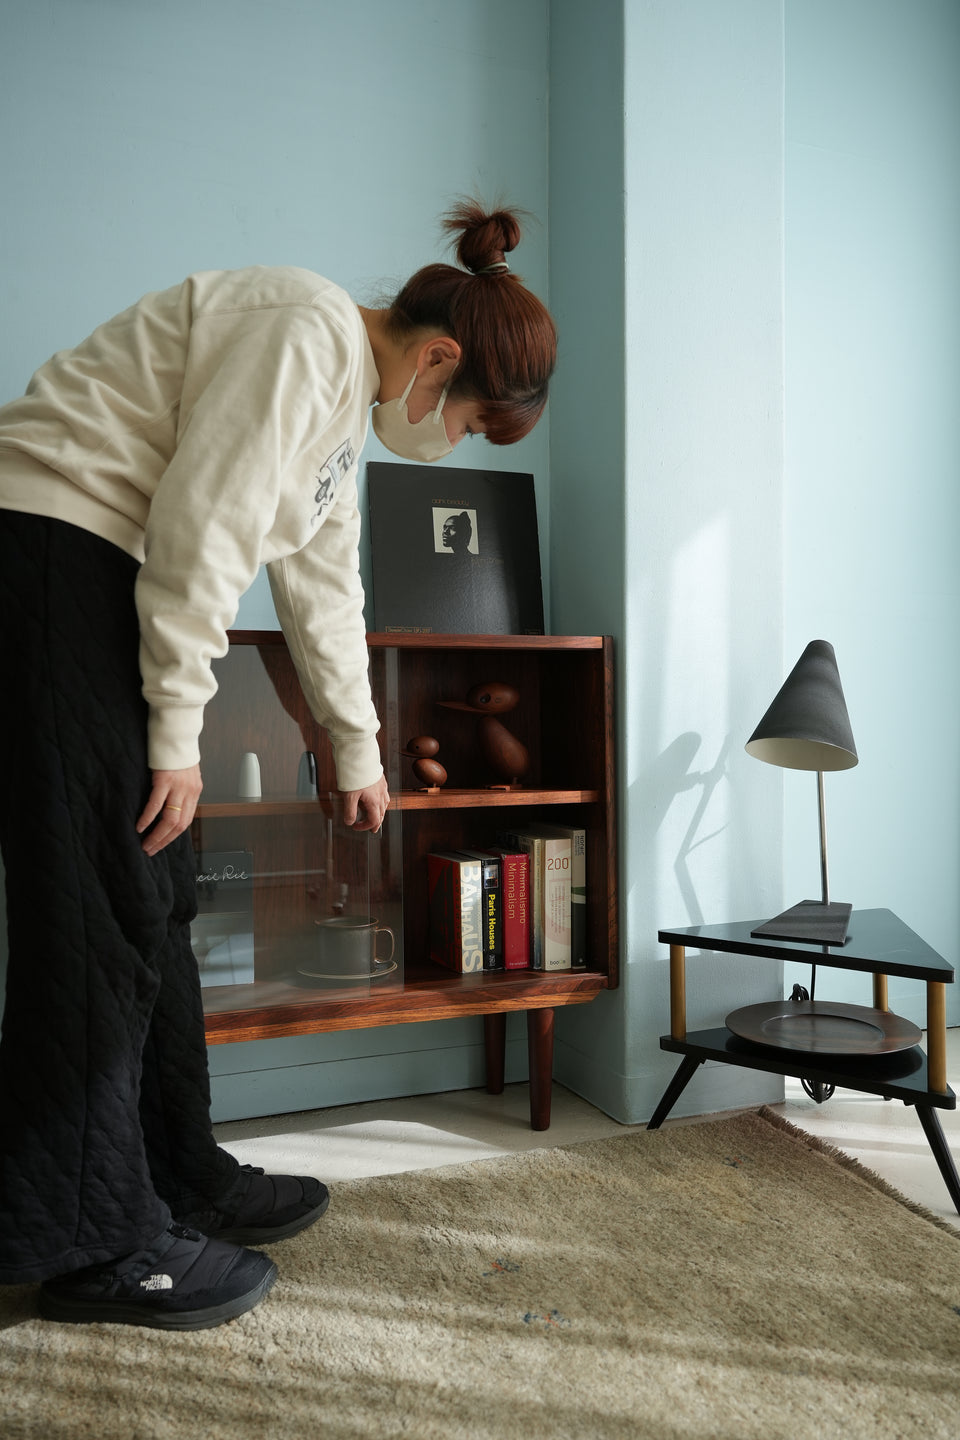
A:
(492, 269)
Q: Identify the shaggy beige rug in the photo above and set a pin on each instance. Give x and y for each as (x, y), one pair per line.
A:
(726, 1280)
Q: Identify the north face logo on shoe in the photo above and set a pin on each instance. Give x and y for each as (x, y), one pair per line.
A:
(157, 1282)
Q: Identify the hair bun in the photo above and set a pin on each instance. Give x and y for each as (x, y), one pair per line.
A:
(485, 238)
(508, 341)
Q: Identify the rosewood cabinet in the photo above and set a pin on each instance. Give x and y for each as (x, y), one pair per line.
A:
(274, 867)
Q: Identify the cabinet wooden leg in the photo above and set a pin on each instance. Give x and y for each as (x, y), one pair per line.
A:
(494, 1049)
(540, 1050)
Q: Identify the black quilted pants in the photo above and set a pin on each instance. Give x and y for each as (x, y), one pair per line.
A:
(104, 1092)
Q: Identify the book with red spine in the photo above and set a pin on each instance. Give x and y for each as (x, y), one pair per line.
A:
(455, 891)
(550, 906)
(514, 906)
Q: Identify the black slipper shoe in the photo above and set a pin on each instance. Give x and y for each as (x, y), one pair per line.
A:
(182, 1281)
(270, 1207)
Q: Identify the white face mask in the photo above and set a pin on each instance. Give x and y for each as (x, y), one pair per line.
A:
(424, 441)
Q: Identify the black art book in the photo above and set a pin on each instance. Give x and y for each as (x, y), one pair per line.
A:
(454, 552)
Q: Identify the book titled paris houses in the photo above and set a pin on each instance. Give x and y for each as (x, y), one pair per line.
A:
(454, 552)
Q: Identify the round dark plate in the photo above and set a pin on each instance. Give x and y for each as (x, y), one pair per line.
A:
(818, 1027)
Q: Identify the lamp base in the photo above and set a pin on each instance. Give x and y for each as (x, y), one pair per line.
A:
(811, 922)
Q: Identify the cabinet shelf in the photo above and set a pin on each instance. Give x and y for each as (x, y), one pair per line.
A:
(475, 644)
(405, 800)
(428, 993)
(250, 809)
(489, 799)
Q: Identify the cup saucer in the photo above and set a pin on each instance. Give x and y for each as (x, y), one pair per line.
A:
(380, 968)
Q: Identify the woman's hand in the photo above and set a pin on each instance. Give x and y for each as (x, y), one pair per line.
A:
(174, 800)
(365, 809)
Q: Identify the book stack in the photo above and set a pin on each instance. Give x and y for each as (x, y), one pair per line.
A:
(519, 905)
(477, 910)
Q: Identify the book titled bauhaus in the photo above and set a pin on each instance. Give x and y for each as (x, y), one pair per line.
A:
(491, 880)
(455, 891)
(454, 551)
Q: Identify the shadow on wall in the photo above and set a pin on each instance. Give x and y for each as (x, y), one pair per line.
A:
(670, 776)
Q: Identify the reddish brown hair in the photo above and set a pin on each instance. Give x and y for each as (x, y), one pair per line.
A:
(508, 339)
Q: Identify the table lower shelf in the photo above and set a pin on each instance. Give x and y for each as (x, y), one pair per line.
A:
(900, 1076)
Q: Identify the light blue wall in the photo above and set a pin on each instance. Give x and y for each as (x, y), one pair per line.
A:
(666, 216)
(703, 99)
(873, 451)
(587, 468)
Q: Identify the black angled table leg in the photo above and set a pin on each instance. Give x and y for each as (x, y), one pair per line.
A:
(933, 1130)
(685, 1071)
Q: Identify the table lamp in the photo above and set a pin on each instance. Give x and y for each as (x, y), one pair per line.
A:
(807, 728)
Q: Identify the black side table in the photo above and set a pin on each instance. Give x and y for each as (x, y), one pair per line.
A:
(878, 943)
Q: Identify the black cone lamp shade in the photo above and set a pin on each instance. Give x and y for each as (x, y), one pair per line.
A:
(807, 728)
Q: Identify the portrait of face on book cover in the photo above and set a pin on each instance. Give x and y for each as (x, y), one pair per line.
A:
(455, 534)
(454, 551)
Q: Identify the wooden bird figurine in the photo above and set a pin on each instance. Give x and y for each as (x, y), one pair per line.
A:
(507, 757)
(421, 750)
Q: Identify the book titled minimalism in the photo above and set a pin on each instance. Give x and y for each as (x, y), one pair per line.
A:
(454, 552)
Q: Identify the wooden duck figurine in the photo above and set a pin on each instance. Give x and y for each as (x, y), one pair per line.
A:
(507, 757)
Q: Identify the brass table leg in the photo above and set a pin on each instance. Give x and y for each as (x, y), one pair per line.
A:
(678, 992)
(937, 1035)
(880, 1001)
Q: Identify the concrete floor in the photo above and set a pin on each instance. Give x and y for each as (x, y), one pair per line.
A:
(387, 1136)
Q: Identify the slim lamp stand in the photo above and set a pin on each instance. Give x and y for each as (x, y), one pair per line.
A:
(821, 811)
(824, 877)
(816, 922)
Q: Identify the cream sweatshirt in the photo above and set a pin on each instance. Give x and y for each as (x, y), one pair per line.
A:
(207, 430)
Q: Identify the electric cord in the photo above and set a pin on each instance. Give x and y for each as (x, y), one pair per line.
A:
(817, 1090)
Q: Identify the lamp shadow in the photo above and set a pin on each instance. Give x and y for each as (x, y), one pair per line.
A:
(671, 775)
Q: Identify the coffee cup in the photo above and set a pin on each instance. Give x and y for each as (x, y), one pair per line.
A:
(346, 948)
